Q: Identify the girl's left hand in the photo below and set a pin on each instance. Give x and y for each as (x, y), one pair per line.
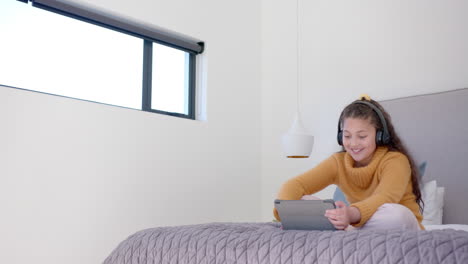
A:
(339, 217)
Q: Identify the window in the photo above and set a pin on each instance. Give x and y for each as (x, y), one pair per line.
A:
(170, 79)
(109, 60)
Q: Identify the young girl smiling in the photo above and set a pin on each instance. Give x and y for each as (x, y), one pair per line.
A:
(374, 171)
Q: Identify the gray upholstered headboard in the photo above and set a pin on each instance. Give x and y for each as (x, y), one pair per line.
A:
(434, 127)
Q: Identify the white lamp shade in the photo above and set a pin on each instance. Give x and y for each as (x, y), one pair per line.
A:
(297, 143)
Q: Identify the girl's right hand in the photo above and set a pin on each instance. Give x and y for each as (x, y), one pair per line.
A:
(343, 215)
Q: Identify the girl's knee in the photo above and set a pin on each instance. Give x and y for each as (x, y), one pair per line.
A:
(391, 215)
(398, 213)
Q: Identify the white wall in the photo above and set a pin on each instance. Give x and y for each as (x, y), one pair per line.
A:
(77, 177)
(387, 49)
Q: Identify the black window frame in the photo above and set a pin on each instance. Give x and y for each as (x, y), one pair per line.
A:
(147, 34)
(147, 83)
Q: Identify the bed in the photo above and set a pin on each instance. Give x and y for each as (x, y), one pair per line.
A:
(430, 125)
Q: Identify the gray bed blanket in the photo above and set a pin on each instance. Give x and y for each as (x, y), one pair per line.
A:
(267, 243)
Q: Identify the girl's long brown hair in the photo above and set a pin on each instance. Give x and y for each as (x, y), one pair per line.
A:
(363, 111)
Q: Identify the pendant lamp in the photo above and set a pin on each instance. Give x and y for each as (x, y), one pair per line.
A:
(297, 142)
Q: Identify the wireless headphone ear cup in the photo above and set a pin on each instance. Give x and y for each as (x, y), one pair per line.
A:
(385, 139)
(378, 138)
(339, 138)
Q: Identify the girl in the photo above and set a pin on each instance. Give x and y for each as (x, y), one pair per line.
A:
(374, 171)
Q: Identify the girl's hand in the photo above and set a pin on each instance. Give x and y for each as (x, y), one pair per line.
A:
(340, 217)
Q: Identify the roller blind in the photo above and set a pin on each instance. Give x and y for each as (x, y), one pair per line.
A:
(120, 23)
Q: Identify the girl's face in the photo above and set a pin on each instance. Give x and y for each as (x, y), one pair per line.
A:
(359, 140)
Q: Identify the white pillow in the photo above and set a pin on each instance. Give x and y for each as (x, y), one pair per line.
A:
(433, 198)
(439, 205)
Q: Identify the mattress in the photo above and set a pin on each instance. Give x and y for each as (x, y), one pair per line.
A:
(449, 226)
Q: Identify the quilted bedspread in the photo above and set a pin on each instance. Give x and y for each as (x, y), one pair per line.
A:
(268, 243)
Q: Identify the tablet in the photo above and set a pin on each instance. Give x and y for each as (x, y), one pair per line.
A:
(304, 214)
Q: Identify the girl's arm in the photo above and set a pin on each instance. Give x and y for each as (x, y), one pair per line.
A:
(309, 182)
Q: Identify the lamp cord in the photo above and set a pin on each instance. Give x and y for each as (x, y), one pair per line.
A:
(297, 59)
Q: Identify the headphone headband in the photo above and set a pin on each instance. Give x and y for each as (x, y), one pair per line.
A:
(381, 138)
(378, 112)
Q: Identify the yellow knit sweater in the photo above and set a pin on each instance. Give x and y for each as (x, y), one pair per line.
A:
(386, 179)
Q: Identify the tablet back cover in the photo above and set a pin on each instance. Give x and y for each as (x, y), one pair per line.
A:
(304, 214)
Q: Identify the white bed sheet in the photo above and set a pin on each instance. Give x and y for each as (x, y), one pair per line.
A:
(451, 226)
